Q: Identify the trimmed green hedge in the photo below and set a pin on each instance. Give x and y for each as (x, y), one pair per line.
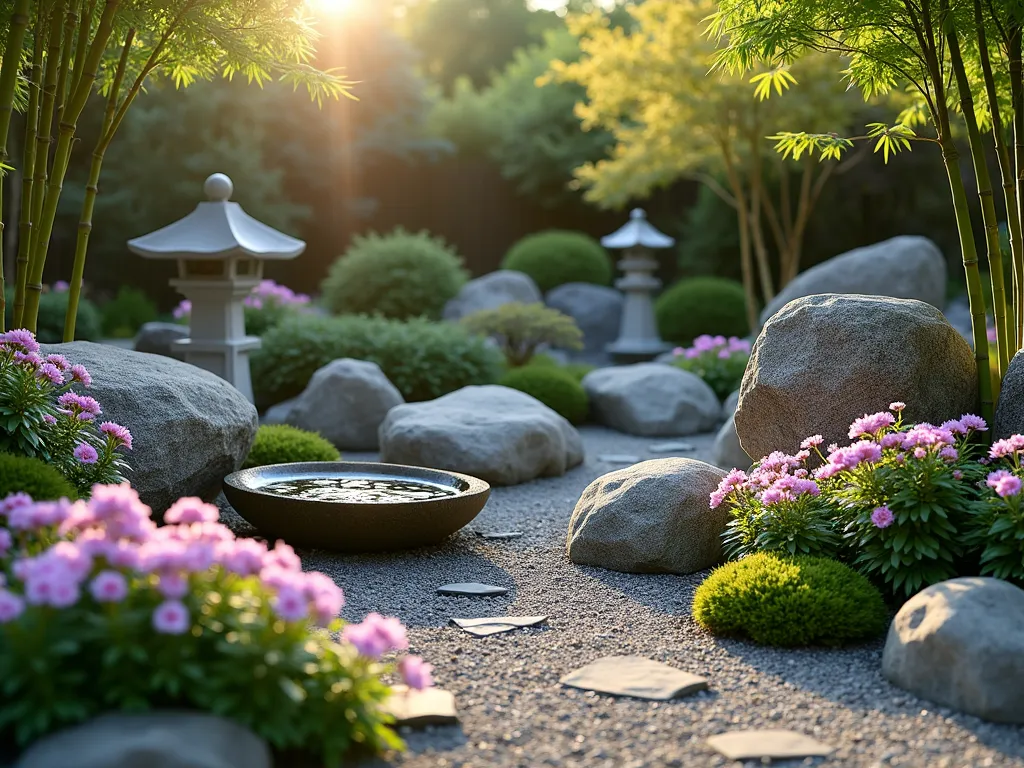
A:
(423, 359)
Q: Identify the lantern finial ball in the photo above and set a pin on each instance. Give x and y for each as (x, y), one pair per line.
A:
(638, 213)
(218, 188)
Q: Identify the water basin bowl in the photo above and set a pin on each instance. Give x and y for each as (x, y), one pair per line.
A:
(349, 506)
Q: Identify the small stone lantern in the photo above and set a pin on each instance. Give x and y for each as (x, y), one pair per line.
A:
(220, 251)
(638, 335)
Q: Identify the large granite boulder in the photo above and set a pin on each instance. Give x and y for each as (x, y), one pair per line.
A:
(652, 517)
(158, 339)
(652, 399)
(346, 402)
(960, 644)
(907, 267)
(155, 740)
(596, 309)
(495, 433)
(491, 291)
(726, 451)
(189, 427)
(823, 361)
(1009, 418)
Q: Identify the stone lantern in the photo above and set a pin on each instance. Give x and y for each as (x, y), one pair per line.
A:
(638, 335)
(220, 251)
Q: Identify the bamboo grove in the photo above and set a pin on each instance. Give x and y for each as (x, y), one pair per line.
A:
(961, 61)
(57, 54)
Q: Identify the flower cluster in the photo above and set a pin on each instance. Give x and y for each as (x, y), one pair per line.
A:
(45, 417)
(265, 306)
(111, 573)
(720, 361)
(999, 528)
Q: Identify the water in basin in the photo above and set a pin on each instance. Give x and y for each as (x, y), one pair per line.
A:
(358, 490)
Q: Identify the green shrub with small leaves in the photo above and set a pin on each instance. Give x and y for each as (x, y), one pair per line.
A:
(557, 257)
(41, 481)
(521, 328)
(701, 305)
(285, 444)
(790, 602)
(554, 387)
(127, 312)
(423, 359)
(53, 306)
(399, 275)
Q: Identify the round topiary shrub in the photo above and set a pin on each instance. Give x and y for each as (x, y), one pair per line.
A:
(702, 305)
(41, 481)
(424, 360)
(284, 444)
(557, 257)
(557, 389)
(790, 602)
(400, 275)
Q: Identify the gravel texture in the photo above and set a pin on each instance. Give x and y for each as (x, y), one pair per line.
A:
(515, 713)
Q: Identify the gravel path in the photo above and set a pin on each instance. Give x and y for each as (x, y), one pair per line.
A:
(514, 712)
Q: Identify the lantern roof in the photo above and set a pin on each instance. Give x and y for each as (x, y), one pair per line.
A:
(637, 232)
(217, 229)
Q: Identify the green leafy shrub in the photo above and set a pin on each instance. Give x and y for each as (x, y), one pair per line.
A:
(790, 602)
(557, 257)
(284, 444)
(719, 361)
(424, 360)
(554, 387)
(521, 328)
(399, 275)
(126, 313)
(701, 305)
(22, 474)
(53, 306)
(243, 632)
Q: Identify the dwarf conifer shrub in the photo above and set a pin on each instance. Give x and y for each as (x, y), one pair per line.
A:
(521, 328)
(789, 602)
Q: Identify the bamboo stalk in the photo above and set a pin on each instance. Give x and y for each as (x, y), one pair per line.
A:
(65, 140)
(29, 154)
(70, 26)
(1007, 177)
(1017, 97)
(92, 186)
(986, 195)
(44, 137)
(9, 70)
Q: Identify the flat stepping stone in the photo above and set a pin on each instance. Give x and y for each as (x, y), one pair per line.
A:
(636, 677)
(671, 447)
(471, 589)
(500, 535)
(768, 744)
(616, 458)
(416, 709)
(497, 624)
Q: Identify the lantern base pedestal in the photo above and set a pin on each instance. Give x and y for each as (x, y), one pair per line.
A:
(626, 352)
(227, 359)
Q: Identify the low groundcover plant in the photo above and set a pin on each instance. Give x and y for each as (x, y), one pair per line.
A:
(101, 609)
(905, 504)
(43, 417)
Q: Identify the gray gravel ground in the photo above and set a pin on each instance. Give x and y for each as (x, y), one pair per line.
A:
(514, 712)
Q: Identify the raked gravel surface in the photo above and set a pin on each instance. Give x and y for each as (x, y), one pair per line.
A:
(513, 710)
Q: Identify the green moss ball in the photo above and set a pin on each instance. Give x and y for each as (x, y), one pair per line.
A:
(701, 305)
(41, 481)
(554, 387)
(282, 444)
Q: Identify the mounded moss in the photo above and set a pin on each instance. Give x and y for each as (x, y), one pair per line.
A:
(790, 602)
(41, 481)
(284, 444)
(701, 305)
(554, 387)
